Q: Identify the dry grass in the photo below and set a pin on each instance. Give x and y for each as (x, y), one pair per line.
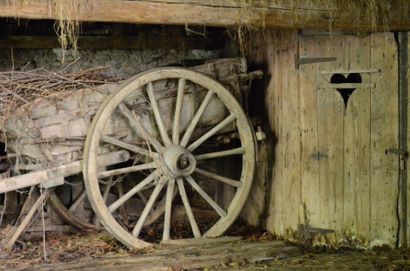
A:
(363, 15)
(360, 13)
(18, 88)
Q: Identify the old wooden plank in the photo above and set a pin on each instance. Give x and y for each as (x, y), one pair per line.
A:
(187, 258)
(291, 182)
(330, 116)
(310, 212)
(275, 107)
(384, 137)
(277, 187)
(278, 14)
(404, 87)
(26, 220)
(282, 220)
(42, 176)
(166, 41)
(201, 241)
(254, 212)
(356, 219)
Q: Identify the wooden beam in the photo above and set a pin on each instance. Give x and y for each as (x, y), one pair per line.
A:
(113, 42)
(42, 176)
(211, 13)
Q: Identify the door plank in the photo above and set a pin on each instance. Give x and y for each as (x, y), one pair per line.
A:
(291, 140)
(310, 213)
(384, 136)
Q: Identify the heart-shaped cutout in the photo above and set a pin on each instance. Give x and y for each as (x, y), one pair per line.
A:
(339, 78)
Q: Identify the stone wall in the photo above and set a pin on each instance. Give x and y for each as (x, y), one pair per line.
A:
(122, 63)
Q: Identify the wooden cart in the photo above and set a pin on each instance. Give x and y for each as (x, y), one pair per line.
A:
(139, 144)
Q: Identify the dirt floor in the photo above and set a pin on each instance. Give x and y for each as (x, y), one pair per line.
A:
(346, 260)
(91, 251)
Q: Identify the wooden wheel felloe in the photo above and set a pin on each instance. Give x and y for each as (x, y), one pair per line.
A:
(168, 157)
(68, 213)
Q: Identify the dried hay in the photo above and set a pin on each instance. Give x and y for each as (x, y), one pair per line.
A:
(362, 15)
(18, 88)
(359, 13)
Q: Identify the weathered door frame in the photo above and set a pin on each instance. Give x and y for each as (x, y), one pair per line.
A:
(403, 211)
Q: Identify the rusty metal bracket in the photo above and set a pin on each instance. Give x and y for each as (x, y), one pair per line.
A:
(400, 152)
(313, 60)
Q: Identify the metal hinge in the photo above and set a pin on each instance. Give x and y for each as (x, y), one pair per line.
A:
(403, 156)
(400, 152)
(313, 60)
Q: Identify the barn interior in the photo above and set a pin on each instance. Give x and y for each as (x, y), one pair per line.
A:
(291, 139)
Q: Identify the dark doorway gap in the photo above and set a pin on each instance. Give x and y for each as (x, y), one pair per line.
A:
(339, 78)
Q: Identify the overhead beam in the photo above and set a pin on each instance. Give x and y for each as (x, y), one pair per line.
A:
(112, 42)
(208, 12)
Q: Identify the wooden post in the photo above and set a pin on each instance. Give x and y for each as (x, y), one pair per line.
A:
(27, 219)
(403, 134)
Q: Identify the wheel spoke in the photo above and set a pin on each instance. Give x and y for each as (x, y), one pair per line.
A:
(135, 168)
(211, 132)
(168, 208)
(77, 202)
(114, 206)
(157, 114)
(139, 128)
(159, 209)
(178, 108)
(197, 117)
(218, 178)
(127, 146)
(137, 229)
(218, 154)
(142, 197)
(105, 198)
(190, 214)
(207, 198)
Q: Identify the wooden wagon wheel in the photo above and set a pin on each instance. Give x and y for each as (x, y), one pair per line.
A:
(176, 163)
(69, 215)
(69, 212)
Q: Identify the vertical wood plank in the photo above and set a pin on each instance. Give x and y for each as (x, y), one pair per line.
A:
(309, 136)
(384, 138)
(407, 75)
(330, 137)
(275, 110)
(291, 140)
(280, 155)
(348, 174)
(357, 145)
(253, 211)
(284, 112)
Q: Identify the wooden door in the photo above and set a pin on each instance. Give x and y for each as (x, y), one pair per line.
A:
(349, 136)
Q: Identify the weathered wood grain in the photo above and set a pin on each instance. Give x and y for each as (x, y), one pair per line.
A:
(356, 217)
(348, 182)
(309, 136)
(407, 194)
(42, 176)
(291, 138)
(330, 126)
(212, 13)
(275, 109)
(384, 137)
(185, 257)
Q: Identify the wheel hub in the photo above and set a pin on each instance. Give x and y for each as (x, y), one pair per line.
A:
(179, 161)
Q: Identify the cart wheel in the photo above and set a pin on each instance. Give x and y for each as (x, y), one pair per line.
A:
(68, 213)
(171, 157)
(78, 214)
